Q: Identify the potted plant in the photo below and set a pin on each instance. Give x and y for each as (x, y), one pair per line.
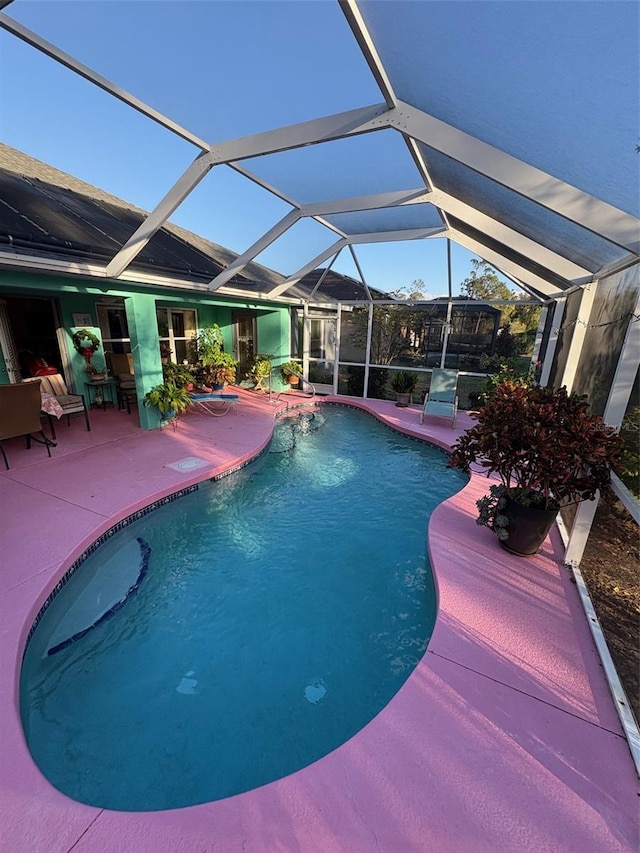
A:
(169, 399)
(178, 374)
(260, 370)
(96, 372)
(216, 367)
(404, 384)
(548, 452)
(222, 371)
(291, 372)
(165, 352)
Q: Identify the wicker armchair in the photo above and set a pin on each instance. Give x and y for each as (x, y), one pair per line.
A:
(20, 415)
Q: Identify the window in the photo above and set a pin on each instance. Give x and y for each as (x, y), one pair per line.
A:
(112, 319)
(175, 331)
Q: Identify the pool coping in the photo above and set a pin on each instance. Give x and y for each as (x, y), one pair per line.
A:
(331, 805)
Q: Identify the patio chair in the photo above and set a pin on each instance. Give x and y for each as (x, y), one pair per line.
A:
(441, 399)
(126, 390)
(71, 403)
(20, 415)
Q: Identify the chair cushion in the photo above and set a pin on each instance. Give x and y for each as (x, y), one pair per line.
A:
(71, 402)
(54, 384)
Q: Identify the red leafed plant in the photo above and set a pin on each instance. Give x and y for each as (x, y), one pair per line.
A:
(543, 444)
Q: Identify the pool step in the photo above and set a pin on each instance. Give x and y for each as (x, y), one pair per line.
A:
(105, 593)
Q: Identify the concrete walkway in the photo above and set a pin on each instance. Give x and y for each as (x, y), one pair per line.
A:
(504, 738)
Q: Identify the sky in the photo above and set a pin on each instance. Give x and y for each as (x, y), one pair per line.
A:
(223, 76)
(224, 70)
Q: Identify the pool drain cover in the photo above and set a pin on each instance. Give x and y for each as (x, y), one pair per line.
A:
(188, 464)
(315, 692)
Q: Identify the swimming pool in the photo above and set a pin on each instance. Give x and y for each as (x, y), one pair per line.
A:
(281, 609)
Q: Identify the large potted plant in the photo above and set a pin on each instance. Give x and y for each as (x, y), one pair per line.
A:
(222, 371)
(404, 384)
(216, 367)
(548, 452)
(169, 399)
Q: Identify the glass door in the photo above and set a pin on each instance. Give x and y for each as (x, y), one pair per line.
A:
(244, 340)
(322, 346)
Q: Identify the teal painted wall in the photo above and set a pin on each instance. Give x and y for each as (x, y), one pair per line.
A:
(80, 295)
(147, 366)
(274, 338)
(274, 334)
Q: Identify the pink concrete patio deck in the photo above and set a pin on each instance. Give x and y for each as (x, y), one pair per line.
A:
(504, 738)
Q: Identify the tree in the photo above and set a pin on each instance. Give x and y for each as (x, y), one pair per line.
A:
(483, 283)
(398, 330)
(415, 292)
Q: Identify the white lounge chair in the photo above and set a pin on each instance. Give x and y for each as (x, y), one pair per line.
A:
(441, 399)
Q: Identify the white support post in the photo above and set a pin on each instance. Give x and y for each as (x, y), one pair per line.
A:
(580, 529)
(360, 273)
(619, 394)
(552, 342)
(323, 276)
(156, 219)
(337, 349)
(627, 367)
(447, 329)
(253, 251)
(8, 345)
(306, 339)
(505, 265)
(535, 354)
(447, 323)
(367, 355)
(544, 189)
(307, 268)
(578, 336)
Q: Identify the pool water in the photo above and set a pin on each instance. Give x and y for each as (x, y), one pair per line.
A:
(281, 609)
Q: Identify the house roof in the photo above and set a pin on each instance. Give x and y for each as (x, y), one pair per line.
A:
(50, 214)
(46, 212)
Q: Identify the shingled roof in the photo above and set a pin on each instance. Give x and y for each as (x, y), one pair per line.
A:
(48, 213)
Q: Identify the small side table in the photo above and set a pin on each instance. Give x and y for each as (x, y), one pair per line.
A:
(100, 392)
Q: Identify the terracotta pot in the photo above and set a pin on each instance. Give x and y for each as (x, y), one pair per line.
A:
(293, 380)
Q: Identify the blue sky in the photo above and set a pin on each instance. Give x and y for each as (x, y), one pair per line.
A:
(227, 69)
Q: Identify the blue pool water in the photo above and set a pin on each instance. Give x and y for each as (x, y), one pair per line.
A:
(279, 611)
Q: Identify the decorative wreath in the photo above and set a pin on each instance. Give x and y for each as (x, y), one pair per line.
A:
(85, 335)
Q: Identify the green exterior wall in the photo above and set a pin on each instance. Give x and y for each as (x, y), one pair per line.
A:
(80, 296)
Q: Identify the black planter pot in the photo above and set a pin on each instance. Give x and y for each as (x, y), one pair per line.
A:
(527, 529)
